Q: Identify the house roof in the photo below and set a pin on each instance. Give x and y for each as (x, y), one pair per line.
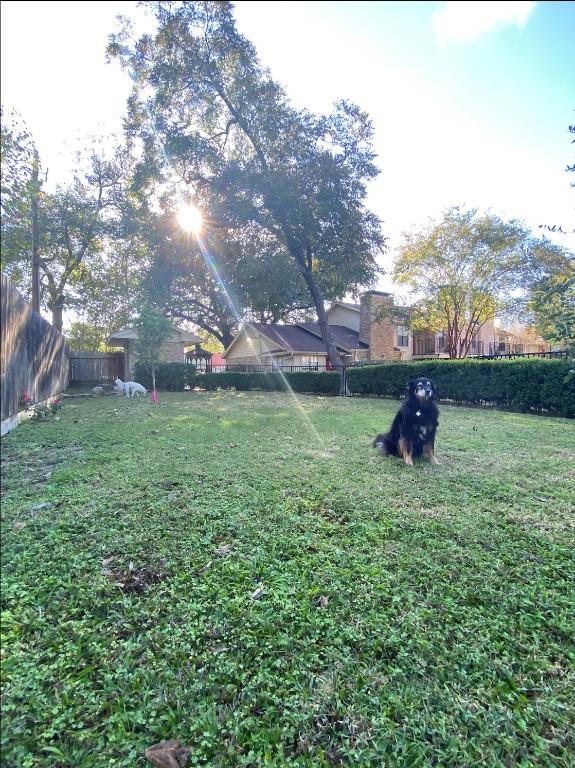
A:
(346, 305)
(177, 334)
(291, 338)
(345, 337)
(304, 337)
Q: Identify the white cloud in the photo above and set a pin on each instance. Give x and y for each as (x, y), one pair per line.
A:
(465, 21)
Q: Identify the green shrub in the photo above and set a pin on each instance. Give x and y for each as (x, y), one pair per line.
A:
(171, 377)
(326, 383)
(528, 384)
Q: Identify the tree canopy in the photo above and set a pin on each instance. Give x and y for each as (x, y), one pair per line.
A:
(552, 302)
(215, 128)
(76, 223)
(17, 158)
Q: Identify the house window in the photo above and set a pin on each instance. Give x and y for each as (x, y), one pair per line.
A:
(402, 336)
(441, 342)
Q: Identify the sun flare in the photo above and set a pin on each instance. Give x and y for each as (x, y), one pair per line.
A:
(190, 219)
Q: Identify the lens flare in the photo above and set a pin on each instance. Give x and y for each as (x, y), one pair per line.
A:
(212, 266)
(190, 219)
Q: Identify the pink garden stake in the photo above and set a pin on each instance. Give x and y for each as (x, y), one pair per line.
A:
(154, 397)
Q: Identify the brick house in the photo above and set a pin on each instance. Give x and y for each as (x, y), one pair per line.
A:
(374, 329)
(173, 350)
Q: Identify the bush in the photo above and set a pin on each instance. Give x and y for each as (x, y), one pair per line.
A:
(528, 384)
(326, 383)
(171, 377)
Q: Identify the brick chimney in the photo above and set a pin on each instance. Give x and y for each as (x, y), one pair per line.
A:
(376, 326)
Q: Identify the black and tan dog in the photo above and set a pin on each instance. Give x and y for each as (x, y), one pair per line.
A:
(413, 429)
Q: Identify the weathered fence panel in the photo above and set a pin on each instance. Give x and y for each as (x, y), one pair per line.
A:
(96, 367)
(34, 354)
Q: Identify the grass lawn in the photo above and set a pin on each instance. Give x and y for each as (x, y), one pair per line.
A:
(248, 576)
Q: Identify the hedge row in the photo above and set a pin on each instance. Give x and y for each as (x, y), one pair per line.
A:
(175, 377)
(532, 385)
(528, 384)
(326, 383)
(170, 377)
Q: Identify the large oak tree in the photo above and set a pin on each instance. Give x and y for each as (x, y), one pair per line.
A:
(213, 123)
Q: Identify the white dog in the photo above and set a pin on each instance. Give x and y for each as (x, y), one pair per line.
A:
(130, 388)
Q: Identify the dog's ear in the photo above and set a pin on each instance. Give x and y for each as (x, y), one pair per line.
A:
(410, 388)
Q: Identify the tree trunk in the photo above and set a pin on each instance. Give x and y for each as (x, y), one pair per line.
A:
(57, 307)
(35, 237)
(326, 333)
(318, 301)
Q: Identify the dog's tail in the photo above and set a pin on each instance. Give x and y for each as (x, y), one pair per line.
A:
(381, 444)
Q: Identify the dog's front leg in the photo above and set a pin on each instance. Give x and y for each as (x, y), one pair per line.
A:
(428, 452)
(405, 451)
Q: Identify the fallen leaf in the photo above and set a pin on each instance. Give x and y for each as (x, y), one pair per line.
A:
(322, 601)
(168, 754)
(205, 567)
(218, 648)
(107, 560)
(258, 592)
(18, 526)
(223, 550)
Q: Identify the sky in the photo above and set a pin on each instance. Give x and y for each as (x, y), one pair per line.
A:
(470, 102)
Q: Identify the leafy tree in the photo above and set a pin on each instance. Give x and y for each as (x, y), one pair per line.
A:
(213, 123)
(552, 302)
(465, 270)
(153, 330)
(17, 159)
(75, 222)
(230, 279)
(86, 336)
(107, 291)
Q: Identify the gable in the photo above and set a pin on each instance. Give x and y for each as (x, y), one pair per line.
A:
(344, 314)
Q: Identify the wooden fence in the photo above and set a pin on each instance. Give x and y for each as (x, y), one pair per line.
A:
(34, 354)
(96, 367)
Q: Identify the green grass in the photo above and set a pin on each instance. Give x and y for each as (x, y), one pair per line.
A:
(448, 634)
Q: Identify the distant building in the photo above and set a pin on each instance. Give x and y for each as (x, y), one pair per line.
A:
(173, 350)
(374, 329)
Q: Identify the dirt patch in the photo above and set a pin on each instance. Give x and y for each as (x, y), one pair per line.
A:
(131, 578)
